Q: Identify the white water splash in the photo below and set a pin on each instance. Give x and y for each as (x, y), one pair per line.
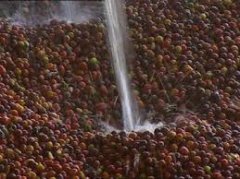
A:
(79, 12)
(147, 126)
(31, 13)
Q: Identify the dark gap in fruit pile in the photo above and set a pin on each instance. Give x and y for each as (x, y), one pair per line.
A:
(57, 84)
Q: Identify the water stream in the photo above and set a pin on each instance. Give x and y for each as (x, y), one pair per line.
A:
(118, 38)
(68, 9)
(116, 25)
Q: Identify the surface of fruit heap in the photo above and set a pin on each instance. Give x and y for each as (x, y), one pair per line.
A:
(57, 83)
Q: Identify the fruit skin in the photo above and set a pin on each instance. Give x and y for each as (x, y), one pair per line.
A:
(2, 70)
(207, 169)
(184, 150)
(101, 106)
(93, 61)
(83, 66)
(217, 175)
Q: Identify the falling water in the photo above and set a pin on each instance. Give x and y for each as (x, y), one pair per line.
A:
(78, 11)
(118, 39)
(32, 13)
(116, 25)
(68, 10)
